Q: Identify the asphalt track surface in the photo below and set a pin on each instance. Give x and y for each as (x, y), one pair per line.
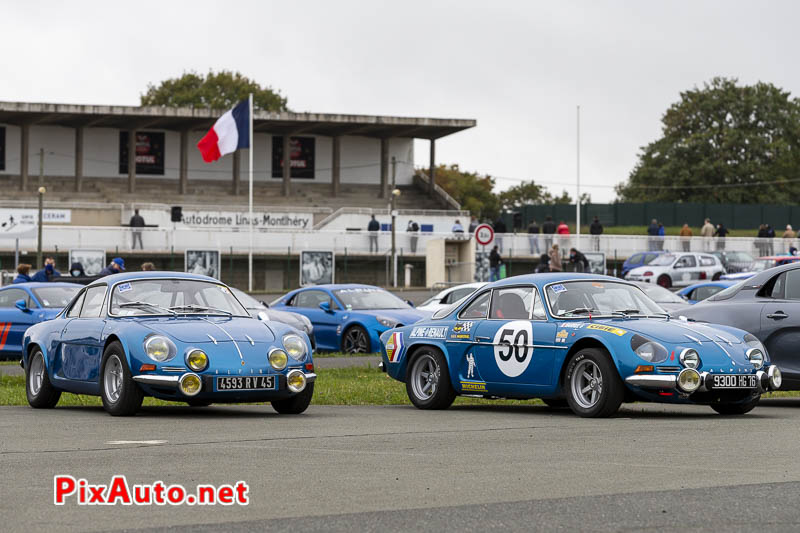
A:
(484, 468)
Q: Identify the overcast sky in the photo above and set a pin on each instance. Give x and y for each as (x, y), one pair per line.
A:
(518, 68)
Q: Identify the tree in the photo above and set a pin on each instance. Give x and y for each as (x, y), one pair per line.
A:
(723, 143)
(220, 90)
(471, 190)
(528, 193)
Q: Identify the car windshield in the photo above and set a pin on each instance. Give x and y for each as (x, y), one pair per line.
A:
(583, 298)
(661, 295)
(248, 301)
(369, 298)
(663, 260)
(56, 297)
(173, 296)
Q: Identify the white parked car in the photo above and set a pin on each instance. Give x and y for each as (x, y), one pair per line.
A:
(449, 296)
(678, 270)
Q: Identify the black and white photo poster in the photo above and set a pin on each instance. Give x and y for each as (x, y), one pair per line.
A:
(316, 267)
(92, 261)
(204, 262)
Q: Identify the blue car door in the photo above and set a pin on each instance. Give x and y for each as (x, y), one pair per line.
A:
(82, 346)
(14, 321)
(325, 322)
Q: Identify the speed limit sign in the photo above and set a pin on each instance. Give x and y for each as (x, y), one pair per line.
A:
(484, 234)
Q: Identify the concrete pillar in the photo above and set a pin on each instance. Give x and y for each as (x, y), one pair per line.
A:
(131, 161)
(384, 167)
(78, 159)
(183, 165)
(336, 166)
(237, 179)
(24, 144)
(432, 174)
(287, 166)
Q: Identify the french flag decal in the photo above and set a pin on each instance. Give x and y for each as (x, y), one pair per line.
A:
(230, 132)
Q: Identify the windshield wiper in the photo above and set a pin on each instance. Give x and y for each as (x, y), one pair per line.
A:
(193, 307)
(579, 311)
(625, 312)
(140, 304)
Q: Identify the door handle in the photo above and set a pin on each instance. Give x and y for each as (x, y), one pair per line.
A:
(778, 315)
(487, 339)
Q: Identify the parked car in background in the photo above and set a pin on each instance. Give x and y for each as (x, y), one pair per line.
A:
(637, 260)
(262, 312)
(665, 298)
(349, 317)
(734, 261)
(177, 337)
(761, 264)
(25, 304)
(587, 341)
(702, 291)
(449, 296)
(678, 269)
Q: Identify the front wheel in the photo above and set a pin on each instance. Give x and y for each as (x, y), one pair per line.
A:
(428, 381)
(738, 408)
(296, 404)
(120, 394)
(355, 340)
(40, 392)
(593, 386)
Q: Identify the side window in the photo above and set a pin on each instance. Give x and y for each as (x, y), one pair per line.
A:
(511, 303)
(75, 310)
(686, 261)
(477, 308)
(10, 296)
(636, 258)
(92, 307)
(701, 293)
(538, 306)
(707, 261)
(792, 286)
(774, 287)
(310, 299)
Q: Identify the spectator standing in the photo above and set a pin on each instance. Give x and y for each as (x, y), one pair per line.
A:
(413, 230)
(706, 232)
(555, 259)
(457, 227)
(137, 221)
(373, 227)
(544, 264)
(563, 234)
(76, 270)
(721, 232)
(789, 236)
(494, 264)
(761, 240)
(148, 267)
(770, 242)
(533, 236)
(686, 237)
(116, 266)
(23, 273)
(652, 231)
(596, 229)
(499, 231)
(548, 228)
(661, 234)
(48, 272)
(473, 223)
(578, 260)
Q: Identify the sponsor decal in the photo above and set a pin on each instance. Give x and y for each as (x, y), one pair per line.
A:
(558, 288)
(461, 336)
(571, 325)
(124, 287)
(429, 332)
(473, 386)
(562, 335)
(463, 327)
(394, 347)
(607, 329)
(513, 348)
(470, 366)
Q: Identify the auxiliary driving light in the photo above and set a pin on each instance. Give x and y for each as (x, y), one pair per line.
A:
(197, 360)
(296, 381)
(775, 377)
(689, 380)
(190, 384)
(278, 359)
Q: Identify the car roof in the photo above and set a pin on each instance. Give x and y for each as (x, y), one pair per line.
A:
(550, 277)
(130, 276)
(762, 277)
(781, 257)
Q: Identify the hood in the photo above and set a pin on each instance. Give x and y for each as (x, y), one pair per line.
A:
(673, 331)
(402, 316)
(290, 319)
(197, 329)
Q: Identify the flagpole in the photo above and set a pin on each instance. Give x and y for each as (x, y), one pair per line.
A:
(250, 202)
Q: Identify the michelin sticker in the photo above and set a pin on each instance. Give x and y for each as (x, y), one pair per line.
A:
(394, 347)
(607, 329)
(473, 386)
(429, 332)
(513, 348)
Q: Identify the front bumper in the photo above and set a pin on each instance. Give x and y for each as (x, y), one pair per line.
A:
(173, 382)
(768, 379)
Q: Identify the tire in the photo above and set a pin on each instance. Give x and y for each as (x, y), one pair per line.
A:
(555, 403)
(716, 276)
(355, 340)
(664, 281)
(428, 380)
(592, 367)
(40, 392)
(738, 408)
(296, 404)
(120, 394)
(198, 403)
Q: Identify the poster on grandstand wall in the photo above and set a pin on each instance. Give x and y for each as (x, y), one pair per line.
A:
(2, 148)
(149, 152)
(301, 154)
(597, 262)
(316, 267)
(204, 262)
(92, 261)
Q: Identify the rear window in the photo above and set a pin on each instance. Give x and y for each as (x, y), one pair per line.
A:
(727, 293)
(636, 258)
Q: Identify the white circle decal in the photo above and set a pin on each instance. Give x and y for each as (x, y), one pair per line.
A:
(513, 347)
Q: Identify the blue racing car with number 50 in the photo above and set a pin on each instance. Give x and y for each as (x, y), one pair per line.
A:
(578, 340)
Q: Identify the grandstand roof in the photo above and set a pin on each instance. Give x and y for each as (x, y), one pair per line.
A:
(180, 118)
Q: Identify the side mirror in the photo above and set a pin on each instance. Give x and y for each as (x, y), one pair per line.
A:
(325, 306)
(21, 305)
(262, 316)
(409, 302)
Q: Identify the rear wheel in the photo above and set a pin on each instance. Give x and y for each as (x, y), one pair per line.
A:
(120, 394)
(593, 386)
(40, 392)
(296, 404)
(355, 340)
(428, 380)
(716, 276)
(738, 408)
(664, 281)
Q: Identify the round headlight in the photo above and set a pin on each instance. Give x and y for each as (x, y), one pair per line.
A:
(190, 384)
(278, 359)
(159, 348)
(689, 358)
(197, 360)
(295, 346)
(775, 377)
(756, 357)
(689, 380)
(648, 350)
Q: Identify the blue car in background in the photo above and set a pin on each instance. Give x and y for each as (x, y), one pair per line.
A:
(349, 317)
(637, 260)
(700, 291)
(586, 341)
(25, 304)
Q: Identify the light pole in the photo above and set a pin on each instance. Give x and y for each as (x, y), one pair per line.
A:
(42, 190)
(395, 194)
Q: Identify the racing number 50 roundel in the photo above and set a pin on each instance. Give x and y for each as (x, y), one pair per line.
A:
(513, 348)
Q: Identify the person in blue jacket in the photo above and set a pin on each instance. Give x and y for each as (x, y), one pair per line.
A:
(23, 273)
(116, 266)
(48, 272)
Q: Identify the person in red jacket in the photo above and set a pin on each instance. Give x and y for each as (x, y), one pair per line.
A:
(562, 228)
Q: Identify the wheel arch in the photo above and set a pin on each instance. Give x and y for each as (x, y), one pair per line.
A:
(580, 344)
(413, 352)
(357, 322)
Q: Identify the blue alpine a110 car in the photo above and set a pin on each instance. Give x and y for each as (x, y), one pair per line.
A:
(589, 342)
(349, 317)
(178, 337)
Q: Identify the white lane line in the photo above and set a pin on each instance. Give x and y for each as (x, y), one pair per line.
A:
(118, 442)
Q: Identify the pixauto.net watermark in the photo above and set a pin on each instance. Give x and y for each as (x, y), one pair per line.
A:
(119, 492)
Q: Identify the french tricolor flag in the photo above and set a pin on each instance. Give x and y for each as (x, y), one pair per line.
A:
(229, 133)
